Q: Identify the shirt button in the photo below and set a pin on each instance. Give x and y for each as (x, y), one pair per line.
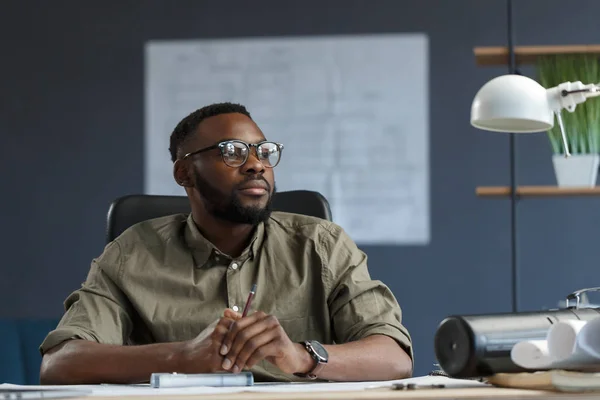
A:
(235, 308)
(234, 266)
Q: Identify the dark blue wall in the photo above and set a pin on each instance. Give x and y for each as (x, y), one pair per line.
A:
(71, 132)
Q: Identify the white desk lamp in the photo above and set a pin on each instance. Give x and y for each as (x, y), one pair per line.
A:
(515, 103)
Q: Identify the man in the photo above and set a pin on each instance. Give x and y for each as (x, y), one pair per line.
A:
(167, 295)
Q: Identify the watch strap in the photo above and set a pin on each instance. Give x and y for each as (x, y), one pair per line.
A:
(314, 373)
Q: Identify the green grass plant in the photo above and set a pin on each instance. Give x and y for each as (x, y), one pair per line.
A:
(583, 125)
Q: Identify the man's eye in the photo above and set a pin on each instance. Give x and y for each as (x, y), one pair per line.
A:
(229, 149)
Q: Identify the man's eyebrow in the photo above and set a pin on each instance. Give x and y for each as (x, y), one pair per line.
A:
(219, 141)
(240, 140)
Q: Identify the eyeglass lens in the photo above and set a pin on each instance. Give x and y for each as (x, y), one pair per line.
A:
(236, 153)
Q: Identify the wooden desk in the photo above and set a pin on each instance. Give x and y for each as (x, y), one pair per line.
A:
(376, 394)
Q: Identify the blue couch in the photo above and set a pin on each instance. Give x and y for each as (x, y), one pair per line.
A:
(20, 357)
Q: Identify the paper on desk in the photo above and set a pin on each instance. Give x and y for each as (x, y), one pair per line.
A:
(358, 386)
(146, 390)
(434, 380)
(128, 390)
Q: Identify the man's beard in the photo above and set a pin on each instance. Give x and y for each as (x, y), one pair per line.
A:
(230, 208)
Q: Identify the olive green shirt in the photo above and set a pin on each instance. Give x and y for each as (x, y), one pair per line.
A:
(162, 281)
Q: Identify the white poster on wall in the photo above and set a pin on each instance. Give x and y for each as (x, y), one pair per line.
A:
(351, 111)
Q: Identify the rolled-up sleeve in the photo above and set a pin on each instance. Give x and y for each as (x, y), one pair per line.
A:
(98, 311)
(359, 306)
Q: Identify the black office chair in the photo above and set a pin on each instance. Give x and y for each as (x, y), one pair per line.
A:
(129, 210)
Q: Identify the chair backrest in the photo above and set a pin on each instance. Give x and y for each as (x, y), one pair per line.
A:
(129, 210)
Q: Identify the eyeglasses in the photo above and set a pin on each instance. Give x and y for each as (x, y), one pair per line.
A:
(235, 152)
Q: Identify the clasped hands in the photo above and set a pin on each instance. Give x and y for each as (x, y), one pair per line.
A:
(233, 343)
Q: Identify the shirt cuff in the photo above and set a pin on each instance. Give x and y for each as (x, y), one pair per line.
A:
(60, 335)
(400, 337)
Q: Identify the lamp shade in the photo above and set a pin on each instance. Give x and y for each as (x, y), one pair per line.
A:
(512, 103)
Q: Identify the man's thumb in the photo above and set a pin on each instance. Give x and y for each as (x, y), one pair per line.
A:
(229, 313)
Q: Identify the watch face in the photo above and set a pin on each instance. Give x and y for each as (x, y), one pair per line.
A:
(319, 349)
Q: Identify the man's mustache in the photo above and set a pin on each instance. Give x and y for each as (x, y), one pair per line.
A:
(255, 178)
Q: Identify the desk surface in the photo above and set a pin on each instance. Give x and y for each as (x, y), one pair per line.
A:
(376, 394)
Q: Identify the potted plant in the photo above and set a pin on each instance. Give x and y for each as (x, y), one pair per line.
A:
(582, 127)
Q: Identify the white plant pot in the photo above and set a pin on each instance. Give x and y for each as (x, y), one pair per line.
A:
(578, 170)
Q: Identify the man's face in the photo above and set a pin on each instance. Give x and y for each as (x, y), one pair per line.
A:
(237, 194)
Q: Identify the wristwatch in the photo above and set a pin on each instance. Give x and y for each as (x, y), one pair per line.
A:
(319, 354)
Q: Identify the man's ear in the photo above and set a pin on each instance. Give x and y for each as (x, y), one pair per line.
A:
(181, 173)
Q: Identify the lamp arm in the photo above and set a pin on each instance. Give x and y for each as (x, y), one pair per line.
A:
(591, 90)
(566, 96)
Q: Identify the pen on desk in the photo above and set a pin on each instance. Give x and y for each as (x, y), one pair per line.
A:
(174, 380)
(249, 301)
(413, 386)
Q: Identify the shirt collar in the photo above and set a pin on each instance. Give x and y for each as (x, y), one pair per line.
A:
(202, 248)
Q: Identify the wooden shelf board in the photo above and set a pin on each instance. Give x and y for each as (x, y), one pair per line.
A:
(543, 191)
(528, 54)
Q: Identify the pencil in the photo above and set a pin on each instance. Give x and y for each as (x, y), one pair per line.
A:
(249, 301)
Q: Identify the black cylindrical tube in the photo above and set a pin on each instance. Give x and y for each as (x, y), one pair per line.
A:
(479, 345)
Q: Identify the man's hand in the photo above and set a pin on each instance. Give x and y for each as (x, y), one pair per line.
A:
(201, 354)
(260, 336)
(80, 361)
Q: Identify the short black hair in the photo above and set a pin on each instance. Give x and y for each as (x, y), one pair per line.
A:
(187, 126)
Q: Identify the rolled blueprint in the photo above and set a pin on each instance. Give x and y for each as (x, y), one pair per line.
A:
(574, 345)
(589, 339)
(562, 338)
(532, 354)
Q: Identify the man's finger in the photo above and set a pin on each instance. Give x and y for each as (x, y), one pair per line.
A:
(229, 313)
(270, 349)
(223, 321)
(221, 329)
(245, 336)
(237, 326)
(254, 347)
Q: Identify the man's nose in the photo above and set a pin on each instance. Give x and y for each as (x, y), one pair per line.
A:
(253, 164)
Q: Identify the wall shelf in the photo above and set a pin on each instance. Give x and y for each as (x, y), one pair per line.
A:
(527, 54)
(536, 191)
